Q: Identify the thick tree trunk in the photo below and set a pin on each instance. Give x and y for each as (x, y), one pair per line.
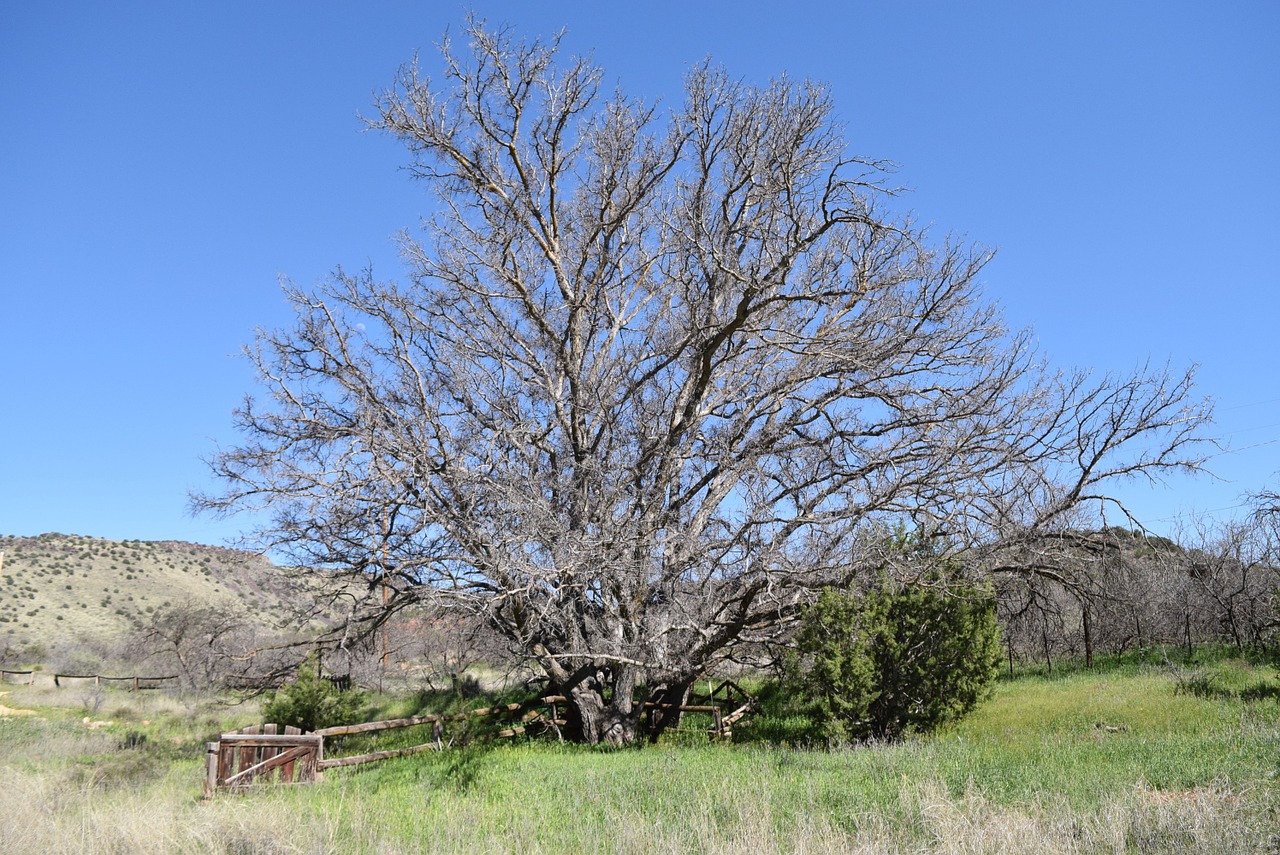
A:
(600, 716)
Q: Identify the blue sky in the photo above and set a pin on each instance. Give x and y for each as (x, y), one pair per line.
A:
(164, 163)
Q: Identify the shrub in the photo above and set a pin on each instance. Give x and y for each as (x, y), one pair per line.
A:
(1200, 684)
(898, 659)
(310, 702)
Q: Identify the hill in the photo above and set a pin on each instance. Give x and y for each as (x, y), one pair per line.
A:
(57, 587)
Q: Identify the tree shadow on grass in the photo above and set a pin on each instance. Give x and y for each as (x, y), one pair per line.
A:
(1261, 691)
(463, 767)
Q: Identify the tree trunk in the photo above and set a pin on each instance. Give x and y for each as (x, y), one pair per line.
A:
(1044, 640)
(1087, 621)
(595, 718)
(1235, 629)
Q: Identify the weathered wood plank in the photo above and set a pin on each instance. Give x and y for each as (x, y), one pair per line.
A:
(523, 728)
(239, 739)
(226, 762)
(377, 755)
(683, 708)
(371, 726)
(267, 765)
(741, 711)
(289, 771)
(210, 769)
(316, 773)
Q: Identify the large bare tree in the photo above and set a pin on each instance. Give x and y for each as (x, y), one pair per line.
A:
(651, 377)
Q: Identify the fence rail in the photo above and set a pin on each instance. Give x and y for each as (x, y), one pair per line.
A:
(137, 683)
(262, 754)
(6, 673)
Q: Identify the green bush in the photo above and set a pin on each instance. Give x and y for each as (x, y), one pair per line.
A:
(310, 702)
(898, 659)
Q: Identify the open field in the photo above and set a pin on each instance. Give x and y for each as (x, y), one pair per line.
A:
(1127, 759)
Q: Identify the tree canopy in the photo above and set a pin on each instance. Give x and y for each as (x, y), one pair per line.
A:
(651, 376)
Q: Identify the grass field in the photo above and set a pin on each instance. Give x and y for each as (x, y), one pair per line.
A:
(1129, 757)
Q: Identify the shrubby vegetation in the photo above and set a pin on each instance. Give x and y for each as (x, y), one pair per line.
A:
(1117, 589)
(898, 659)
(311, 702)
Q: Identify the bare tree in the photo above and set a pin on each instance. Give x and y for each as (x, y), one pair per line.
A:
(652, 377)
(1078, 592)
(210, 646)
(1234, 568)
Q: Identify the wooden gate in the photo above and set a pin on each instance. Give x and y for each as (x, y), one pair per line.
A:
(259, 754)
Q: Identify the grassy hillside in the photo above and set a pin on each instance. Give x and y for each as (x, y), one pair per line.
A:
(61, 587)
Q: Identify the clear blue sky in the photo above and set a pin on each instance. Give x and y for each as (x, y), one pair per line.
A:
(163, 163)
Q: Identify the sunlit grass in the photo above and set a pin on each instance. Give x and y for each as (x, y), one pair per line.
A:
(1030, 770)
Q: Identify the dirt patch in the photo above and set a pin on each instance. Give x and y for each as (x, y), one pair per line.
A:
(11, 711)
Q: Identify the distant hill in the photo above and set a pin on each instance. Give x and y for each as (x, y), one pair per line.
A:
(63, 586)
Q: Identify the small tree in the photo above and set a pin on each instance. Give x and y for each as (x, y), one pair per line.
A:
(209, 645)
(310, 702)
(898, 659)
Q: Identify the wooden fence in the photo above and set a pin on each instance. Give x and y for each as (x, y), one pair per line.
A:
(136, 683)
(269, 754)
(728, 693)
(265, 754)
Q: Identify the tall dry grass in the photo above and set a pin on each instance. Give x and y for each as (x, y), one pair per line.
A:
(42, 813)
(1029, 773)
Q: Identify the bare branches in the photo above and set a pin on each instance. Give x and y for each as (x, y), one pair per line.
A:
(653, 377)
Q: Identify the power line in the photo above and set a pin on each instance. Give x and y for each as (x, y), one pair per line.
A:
(1246, 448)
(1251, 404)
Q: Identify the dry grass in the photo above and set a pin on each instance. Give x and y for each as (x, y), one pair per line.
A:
(992, 786)
(42, 814)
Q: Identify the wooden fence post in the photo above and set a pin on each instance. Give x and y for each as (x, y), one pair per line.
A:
(211, 762)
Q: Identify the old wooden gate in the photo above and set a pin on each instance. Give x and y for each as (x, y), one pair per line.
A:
(260, 754)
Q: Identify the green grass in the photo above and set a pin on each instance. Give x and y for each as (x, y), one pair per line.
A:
(1030, 770)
